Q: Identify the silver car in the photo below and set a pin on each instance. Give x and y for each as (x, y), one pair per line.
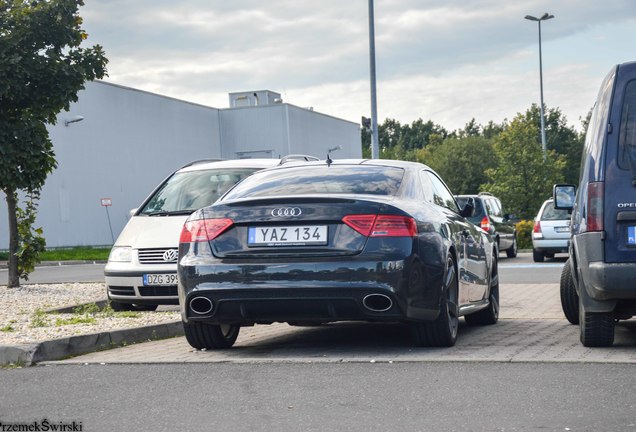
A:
(551, 232)
(141, 272)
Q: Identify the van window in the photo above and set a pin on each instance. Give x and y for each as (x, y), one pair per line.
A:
(597, 128)
(627, 137)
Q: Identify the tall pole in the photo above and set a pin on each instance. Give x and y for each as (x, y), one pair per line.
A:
(546, 16)
(375, 146)
(544, 146)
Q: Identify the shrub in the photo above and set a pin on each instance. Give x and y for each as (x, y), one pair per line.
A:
(524, 234)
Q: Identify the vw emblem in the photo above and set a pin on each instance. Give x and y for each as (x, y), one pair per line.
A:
(286, 212)
(170, 255)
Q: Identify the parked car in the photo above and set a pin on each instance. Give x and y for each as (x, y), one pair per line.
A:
(490, 216)
(551, 232)
(141, 272)
(597, 283)
(370, 240)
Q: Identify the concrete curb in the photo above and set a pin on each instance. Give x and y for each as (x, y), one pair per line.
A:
(57, 349)
(4, 264)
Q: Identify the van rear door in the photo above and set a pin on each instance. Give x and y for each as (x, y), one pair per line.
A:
(620, 175)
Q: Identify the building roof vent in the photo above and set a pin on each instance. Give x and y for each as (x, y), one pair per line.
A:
(254, 98)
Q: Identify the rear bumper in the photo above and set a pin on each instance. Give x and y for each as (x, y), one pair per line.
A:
(550, 245)
(610, 281)
(315, 292)
(604, 283)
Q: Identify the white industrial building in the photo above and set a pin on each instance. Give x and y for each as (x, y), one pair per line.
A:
(118, 143)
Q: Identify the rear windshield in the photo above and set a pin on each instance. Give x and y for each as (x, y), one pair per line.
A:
(478, 214)
(627, 137)
(310, 180)
(191, 190)
(550, 213)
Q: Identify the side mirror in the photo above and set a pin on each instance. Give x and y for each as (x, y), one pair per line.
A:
(132, 212)
(563, 196)
(469, 208)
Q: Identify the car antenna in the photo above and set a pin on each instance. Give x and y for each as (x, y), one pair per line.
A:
(336, 148)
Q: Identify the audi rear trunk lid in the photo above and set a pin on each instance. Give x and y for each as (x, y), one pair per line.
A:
(295, 227)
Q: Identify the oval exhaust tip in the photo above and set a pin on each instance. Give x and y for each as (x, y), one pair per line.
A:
(201, 305)
(377, 302)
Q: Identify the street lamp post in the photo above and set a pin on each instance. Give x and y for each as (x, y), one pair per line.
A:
(545, 16)
(375, 146)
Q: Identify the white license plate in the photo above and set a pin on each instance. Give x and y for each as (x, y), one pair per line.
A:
(561, 229)
(160, 279)
(297, 235)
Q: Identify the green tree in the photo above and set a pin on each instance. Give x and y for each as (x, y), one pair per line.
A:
(471, 129)
(42, 67)
(397, 141)
(462, 162)
(492, 129)
(521, 179)
(560, 137)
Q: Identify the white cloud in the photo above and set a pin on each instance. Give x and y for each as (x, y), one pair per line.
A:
(445, 61)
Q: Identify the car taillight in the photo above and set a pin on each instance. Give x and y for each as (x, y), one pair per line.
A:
(536, 230)
(485, 224)
(382, 225)
(203, 230)
(595, 203)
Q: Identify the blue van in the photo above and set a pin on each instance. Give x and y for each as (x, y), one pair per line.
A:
(598, 283)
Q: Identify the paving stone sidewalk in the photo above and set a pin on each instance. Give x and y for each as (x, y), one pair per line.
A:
(531, 329)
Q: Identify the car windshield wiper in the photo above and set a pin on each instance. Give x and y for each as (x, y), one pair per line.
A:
(169, 213)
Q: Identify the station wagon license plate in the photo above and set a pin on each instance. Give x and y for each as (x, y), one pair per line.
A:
(297, 235)
(160, 279)
(631, 236)
(561, 229)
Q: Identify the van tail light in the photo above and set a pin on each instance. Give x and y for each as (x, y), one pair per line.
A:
(382, 225)
(485, 224)
(204, 230)
(595, 204)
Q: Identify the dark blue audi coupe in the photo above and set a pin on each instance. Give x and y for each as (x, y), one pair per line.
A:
(348, 240)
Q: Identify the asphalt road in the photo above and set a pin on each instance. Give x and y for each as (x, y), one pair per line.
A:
(324, 397)
(512, 270)
(258, 386)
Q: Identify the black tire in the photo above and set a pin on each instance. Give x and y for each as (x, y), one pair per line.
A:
(210, 336)
(569, 297)
(443, 331)
(511, 252)
(596, 329)
(490, 315)
(537, 256)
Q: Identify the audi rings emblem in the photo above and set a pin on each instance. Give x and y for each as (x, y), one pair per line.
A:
(286, 212)
(170, 255)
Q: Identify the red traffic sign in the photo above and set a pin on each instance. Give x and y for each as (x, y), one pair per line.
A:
(107, 202)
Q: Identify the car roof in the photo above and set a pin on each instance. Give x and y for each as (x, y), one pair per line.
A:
(479, 195)
(206, 164)
(366, 162)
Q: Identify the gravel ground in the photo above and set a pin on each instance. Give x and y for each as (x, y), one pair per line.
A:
(22, 319)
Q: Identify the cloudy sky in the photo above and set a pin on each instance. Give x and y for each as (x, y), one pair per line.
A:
(443, 60)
